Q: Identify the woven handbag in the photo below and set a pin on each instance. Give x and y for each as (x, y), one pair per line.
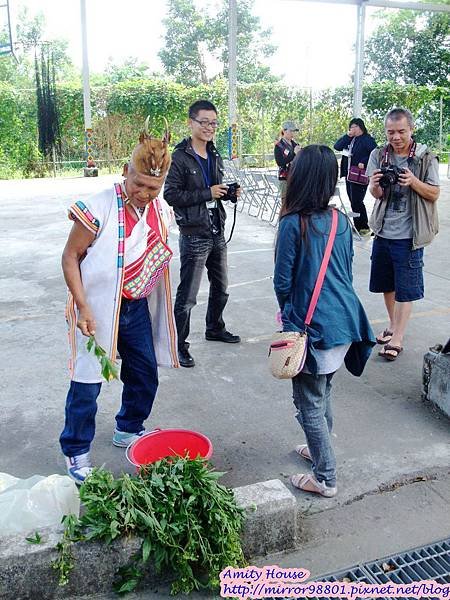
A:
(288, 349)
(287, 353)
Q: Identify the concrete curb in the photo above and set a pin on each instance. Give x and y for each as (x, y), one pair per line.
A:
(26, 572)
(271, 517)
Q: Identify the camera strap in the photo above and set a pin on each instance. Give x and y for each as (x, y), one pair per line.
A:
(387, 152)
(208, 179)
(234, 223)
(395, 194)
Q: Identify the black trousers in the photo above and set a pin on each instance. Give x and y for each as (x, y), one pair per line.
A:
(356, 195)
(196, 253)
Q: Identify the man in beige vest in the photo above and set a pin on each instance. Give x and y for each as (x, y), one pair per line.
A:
(404, 179)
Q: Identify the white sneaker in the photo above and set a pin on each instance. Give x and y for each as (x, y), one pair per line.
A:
(78, 467)
(122, 439)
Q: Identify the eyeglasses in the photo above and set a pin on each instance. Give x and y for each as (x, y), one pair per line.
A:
(205, 123)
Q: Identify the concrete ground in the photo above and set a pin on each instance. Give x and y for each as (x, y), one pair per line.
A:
(385, 435)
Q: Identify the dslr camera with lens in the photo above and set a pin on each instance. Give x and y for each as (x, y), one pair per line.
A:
(390, 175)
(231, 194)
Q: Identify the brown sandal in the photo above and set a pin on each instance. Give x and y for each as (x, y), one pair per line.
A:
(389, 348)
(385, 337)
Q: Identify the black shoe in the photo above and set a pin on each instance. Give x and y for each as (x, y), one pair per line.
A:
(185, 358)
(222, 336)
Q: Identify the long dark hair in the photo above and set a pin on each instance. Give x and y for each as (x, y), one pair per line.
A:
(311, 182)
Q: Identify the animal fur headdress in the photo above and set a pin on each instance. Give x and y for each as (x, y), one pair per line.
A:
(151, 156)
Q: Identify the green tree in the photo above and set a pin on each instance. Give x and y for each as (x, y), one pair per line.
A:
(410, 47)
(183, 54)
(191, 35)
(130, 68)
(30, 36)
(253, 43)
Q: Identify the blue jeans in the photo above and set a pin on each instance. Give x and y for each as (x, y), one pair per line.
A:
(139, 375)
(312, 398)
(196, 253)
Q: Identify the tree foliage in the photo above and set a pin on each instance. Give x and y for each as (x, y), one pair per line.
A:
(183, 56)
(118, 113)
(125, 93)
(192, 35)
(253, 43)
(30, 38)
(129, 68)
(410, 47)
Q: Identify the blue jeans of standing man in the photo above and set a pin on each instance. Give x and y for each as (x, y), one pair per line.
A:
(312, 398)
(139, 375)
(196, 253)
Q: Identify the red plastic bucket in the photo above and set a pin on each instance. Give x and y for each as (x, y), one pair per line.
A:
(168, 442)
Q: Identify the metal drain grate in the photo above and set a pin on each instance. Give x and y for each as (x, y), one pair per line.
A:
(419, 564)
(354, 574)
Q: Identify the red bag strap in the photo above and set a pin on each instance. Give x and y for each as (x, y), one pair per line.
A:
(323, 268)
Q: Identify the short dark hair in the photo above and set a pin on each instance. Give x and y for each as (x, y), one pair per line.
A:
(311, 182)
(359, 122)
(396, 114)
(195, 108)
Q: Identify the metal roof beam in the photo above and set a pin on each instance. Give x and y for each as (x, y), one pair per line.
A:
(422, 6)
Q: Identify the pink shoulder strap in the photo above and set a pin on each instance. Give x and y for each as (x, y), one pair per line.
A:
(323, 268)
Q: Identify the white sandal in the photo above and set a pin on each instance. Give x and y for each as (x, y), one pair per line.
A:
(303, 451)
(308, 483)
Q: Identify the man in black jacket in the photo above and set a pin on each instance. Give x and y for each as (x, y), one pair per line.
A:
(194, 188)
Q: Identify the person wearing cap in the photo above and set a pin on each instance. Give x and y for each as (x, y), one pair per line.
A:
(285, 150)
(116, 266)
(356, 146)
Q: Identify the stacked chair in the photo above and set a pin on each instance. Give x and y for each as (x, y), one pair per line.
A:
(260, 194)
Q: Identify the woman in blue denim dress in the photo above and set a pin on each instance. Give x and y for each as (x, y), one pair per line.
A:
(339, 331)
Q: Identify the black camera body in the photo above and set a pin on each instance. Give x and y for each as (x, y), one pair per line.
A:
(390, 175)
(231, 194)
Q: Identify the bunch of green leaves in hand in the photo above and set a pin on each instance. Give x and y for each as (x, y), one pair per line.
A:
(189, 523)
(109, 369)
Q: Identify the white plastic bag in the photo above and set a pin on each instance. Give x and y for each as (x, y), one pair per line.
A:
(28, 504)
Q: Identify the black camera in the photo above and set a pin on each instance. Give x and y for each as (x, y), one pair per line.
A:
(231, 194)
(390, 175)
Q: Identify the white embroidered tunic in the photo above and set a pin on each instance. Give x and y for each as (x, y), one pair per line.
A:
(102, 271)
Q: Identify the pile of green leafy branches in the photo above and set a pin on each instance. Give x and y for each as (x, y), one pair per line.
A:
(189, 523)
